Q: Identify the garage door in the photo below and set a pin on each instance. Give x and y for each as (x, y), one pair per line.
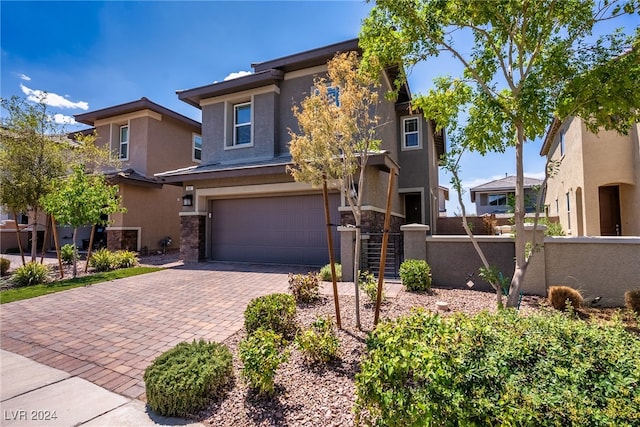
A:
(283, 230)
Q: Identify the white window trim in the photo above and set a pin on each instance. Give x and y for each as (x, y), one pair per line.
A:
(403, 133)
(230, 125)
(193, 147)
(121, 143)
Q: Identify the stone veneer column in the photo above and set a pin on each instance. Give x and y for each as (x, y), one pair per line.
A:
(192, 237)
(415, 241)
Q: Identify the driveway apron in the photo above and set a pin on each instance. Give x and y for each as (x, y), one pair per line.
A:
(110, 332)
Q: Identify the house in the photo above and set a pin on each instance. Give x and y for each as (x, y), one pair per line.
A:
(443, 197)
(241, 204)
(147, 138)
(596, 190)
(493, 197)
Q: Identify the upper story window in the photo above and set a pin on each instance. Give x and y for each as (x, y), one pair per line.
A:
(242, 124)
(497, 199)
(411, 133)
(562, 147)
(197, 148)
(333, 93)
(124, 142)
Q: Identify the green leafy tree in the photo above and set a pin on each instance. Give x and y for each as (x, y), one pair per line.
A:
(31, 159)
(338, 124)
(82, 199)
(524, 64)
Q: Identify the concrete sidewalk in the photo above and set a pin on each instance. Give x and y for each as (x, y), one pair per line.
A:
(33, 394)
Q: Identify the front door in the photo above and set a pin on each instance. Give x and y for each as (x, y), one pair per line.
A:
(610, 224)
(413, 208)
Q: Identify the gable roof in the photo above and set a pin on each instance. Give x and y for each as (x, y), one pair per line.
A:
(142, 104)
(502, 185)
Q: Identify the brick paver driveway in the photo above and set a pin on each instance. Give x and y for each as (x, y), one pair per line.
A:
(110, 332)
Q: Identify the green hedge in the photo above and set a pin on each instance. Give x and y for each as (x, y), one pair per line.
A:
(275, 312)
(499, 369)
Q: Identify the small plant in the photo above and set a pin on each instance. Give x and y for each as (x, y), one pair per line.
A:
(102, 260)
(261, 354)
(325, 272)
(275, 312)
(559, 295)
(125, 259)
(66, 253)
(32, 273)
(369, 285)
(181, 381)
(5, 264)
(415, 275)
(305, 288)
(632, 300)
(319, 344)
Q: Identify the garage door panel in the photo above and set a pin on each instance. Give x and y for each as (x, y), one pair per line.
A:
(283, 229)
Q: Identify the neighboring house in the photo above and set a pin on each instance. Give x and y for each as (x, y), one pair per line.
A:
(443, 197)
(241, 204)
(596, 190)
(148, 138)
(493, 197)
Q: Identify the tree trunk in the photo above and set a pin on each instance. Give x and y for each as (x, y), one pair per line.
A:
(75, 252)
(356, 270)
(518, 216)
(15, 216)
(34, 236)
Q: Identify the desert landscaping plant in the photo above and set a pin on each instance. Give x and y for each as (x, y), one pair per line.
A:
(325, 272)
(181, 381)
(102, 260)
(66, 253)
(275, 312)
(32, 273)
(319, 343)
(415, 275)
(560, 295)
(125, 259)
(5, 264)
(261, 354)
(369, 285)
(547, 369)
(632, 300)
(305, 288)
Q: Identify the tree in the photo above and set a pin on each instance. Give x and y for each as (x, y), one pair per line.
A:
(528, 62)
(82, 199)
(338, 125)
(30, 159)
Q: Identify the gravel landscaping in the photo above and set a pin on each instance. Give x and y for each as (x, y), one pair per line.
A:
(308, 395)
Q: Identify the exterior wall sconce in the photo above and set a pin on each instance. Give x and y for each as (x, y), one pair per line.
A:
(187, 200)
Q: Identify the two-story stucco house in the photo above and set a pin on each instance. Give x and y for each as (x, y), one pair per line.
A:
(147, 138)
(243, 205)
(493, 197)
(596, 190)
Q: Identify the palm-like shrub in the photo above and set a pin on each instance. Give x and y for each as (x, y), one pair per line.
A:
(102, 260)
(32, 273)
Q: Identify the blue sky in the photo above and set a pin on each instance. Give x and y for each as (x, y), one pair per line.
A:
(92, 55)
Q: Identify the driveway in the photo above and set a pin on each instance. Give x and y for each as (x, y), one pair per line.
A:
(110, 332)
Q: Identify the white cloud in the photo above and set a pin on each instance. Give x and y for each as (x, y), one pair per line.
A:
(61, 119)
(52, 99)
(24, 77)
(236, 75)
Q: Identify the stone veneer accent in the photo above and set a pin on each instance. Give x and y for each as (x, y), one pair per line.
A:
(122, 240)
(192, 238)
(372, 221)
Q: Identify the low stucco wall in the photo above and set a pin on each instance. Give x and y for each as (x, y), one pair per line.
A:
(597, 266)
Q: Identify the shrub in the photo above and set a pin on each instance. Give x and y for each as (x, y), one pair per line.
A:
(415, 275)
(66, 253)
(369, 285)
(261, 354)
(559, 295)
(276, 312)
(547, 370)
(632, 300)
(102, 260)
(181, 381)
(325, 272)
(125, 259)
(4, 266)
(319, 344)
(32, 273)
(305, 288)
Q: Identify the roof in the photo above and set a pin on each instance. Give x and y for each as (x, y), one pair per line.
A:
(130, 176)
(505, 184)
(309, 58)
(553, 129)
(142, 104)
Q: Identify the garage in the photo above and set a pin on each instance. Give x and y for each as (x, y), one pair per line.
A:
(278, 229)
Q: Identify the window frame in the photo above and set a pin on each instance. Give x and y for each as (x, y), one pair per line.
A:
(417, 132)
(122, 143)
(504, 196)
(194, 148)
(568, 196)
(235, 125)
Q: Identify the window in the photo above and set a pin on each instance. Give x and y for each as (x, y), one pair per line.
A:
(562, 143)
(410, 132)
(242, 124)
(568, 195)
(197, 147)
(124, 142)
(497, 200)
(333, 93)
